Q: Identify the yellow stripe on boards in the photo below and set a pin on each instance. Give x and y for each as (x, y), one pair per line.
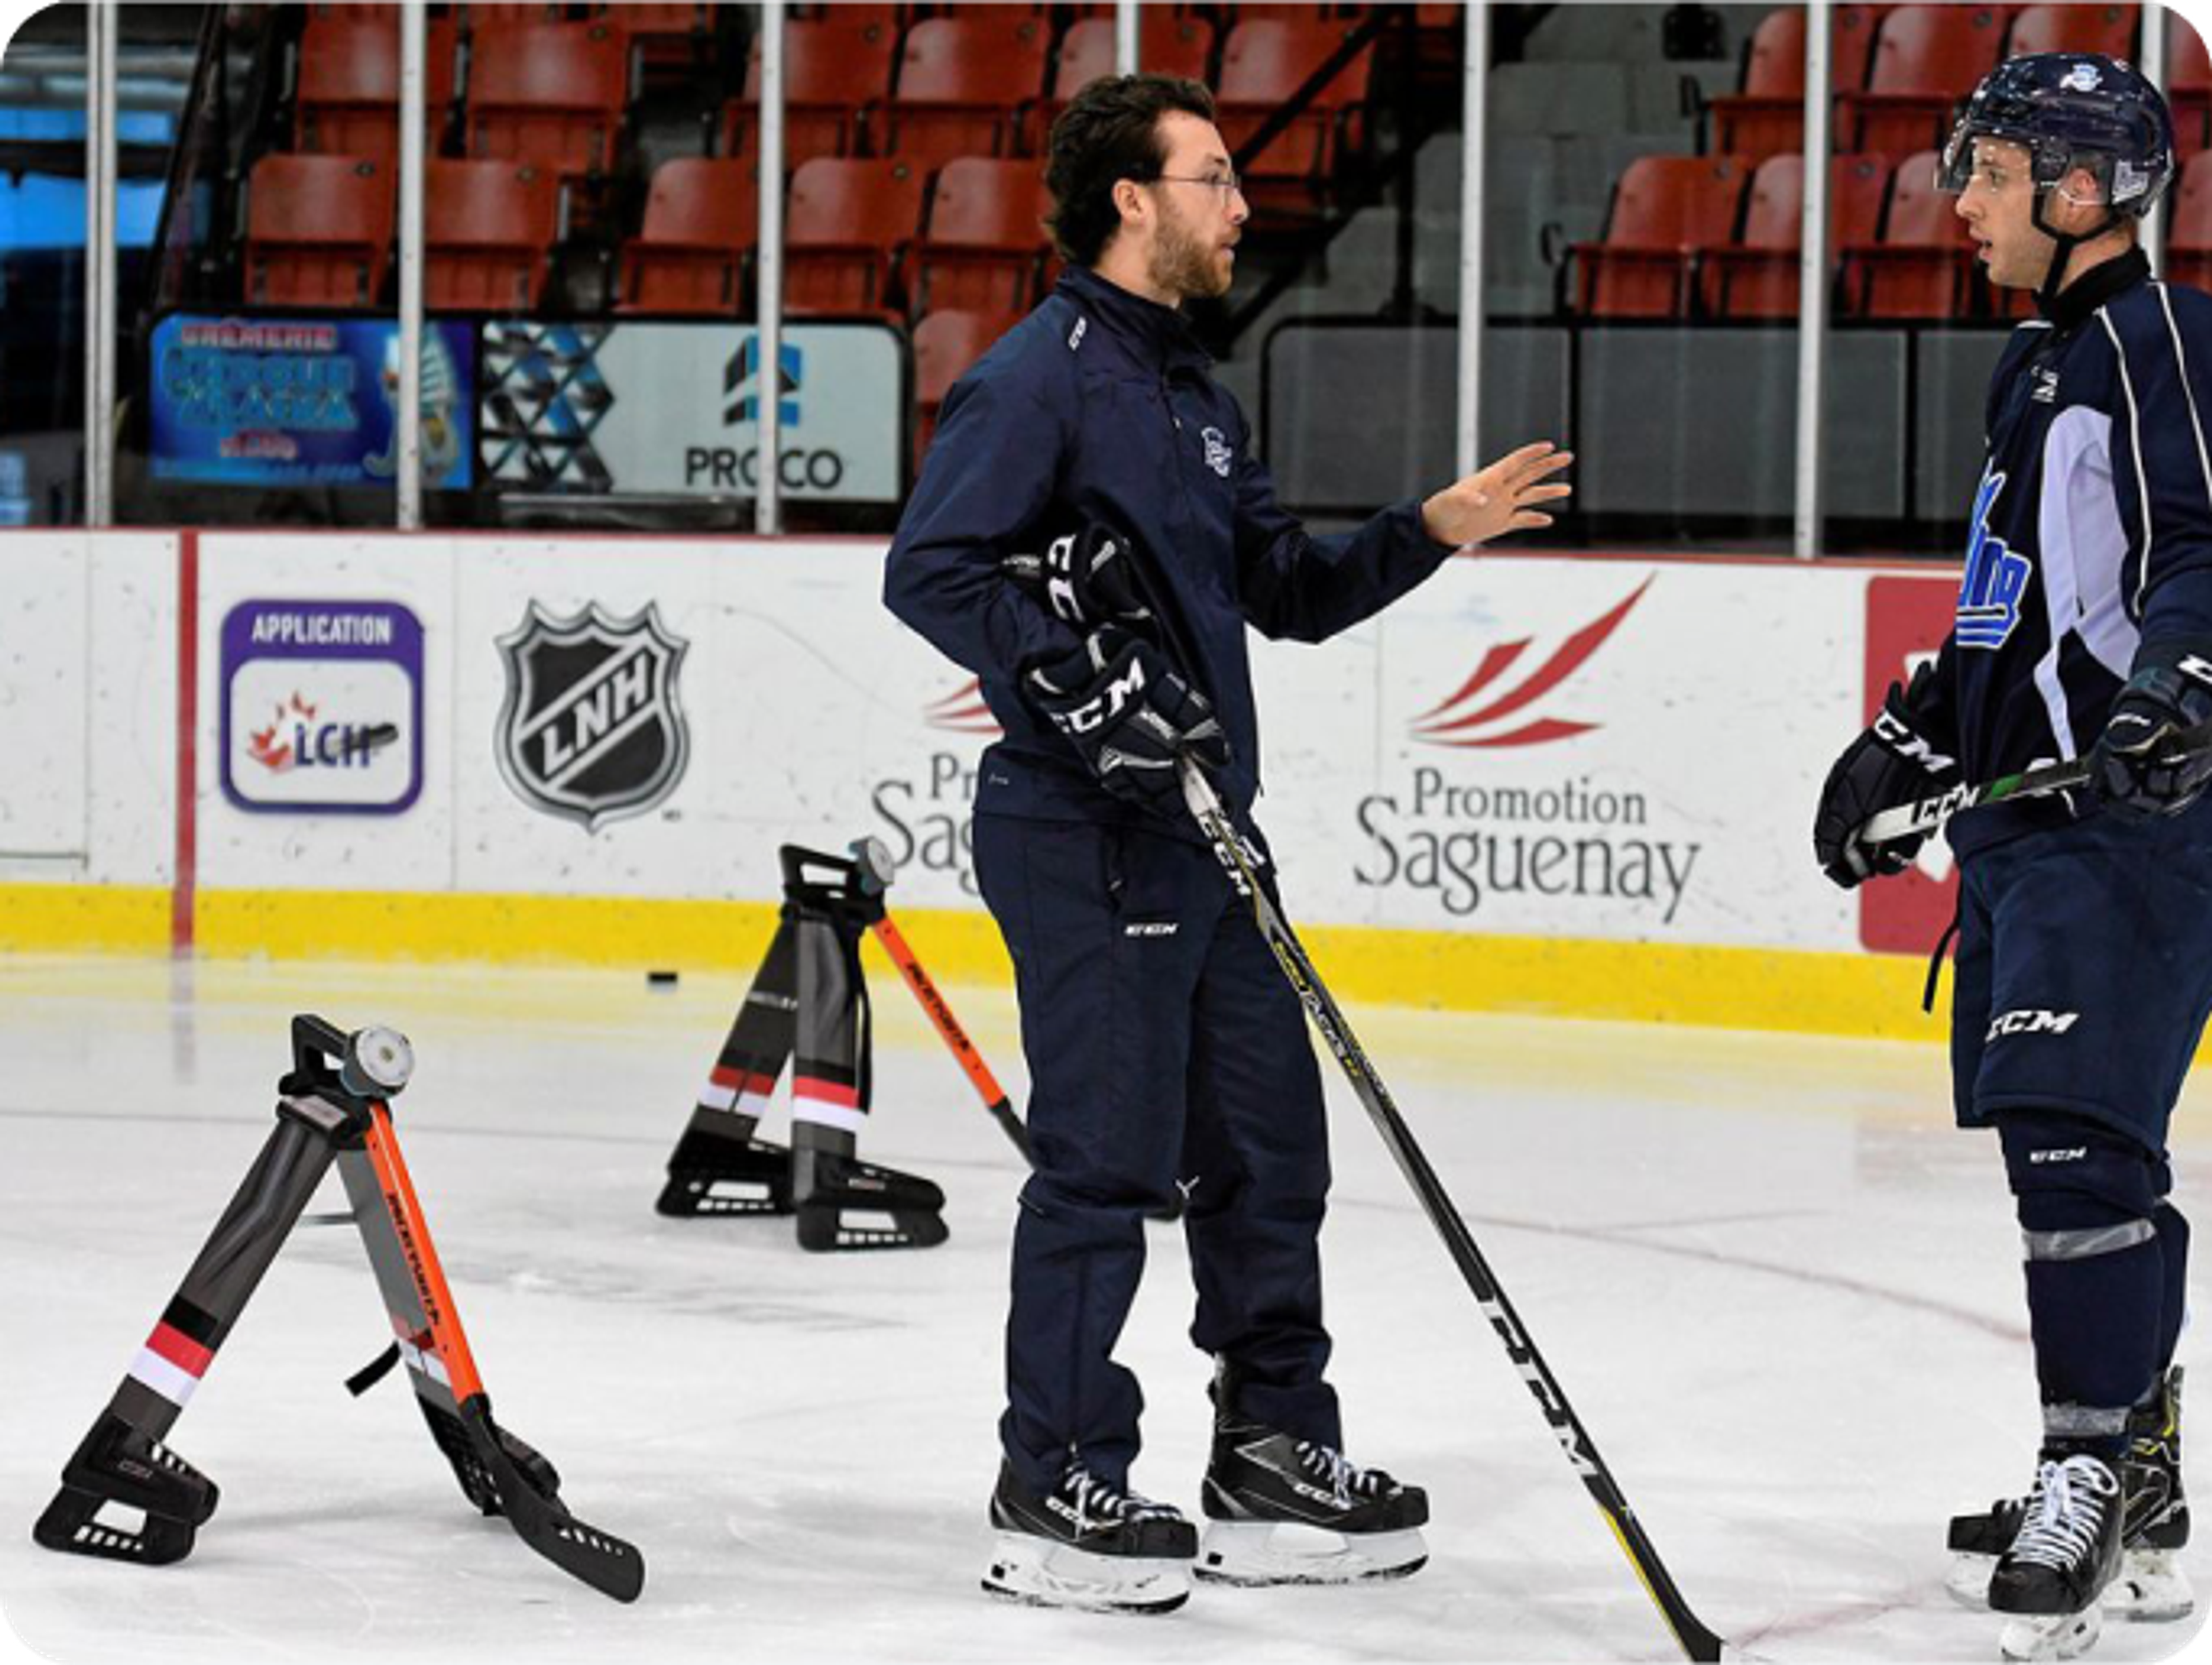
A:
(1775, 989)
(99, 918)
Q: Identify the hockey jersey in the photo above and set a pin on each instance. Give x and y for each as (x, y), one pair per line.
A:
(2091, 531)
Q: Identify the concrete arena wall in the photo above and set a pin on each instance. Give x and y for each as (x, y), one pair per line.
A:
(1576, 785)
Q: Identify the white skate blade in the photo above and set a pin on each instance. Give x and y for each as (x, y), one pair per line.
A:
(2062, 1636)
(1050, 1575)
(1290, 1552)
(2151, 1590)
(1967, 1582)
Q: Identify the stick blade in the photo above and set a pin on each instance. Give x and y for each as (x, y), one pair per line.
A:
(609, 1565)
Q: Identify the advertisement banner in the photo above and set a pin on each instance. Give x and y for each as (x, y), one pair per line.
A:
(1540, 748)
(671, 410)
(322, 706)
(306, 402)
(1577, 749)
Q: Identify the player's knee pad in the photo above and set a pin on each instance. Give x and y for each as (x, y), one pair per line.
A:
(2080, 1188)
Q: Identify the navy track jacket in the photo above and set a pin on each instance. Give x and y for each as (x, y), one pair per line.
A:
(1099, 406)
(2091, 532)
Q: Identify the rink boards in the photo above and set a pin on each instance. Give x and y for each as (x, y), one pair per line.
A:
(1578, 785)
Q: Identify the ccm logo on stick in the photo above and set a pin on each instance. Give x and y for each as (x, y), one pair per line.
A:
(2032, 1023)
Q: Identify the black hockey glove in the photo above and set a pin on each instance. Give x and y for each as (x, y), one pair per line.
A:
(1088, 578)
(1130, 717)
(2133, 770)
(1891, 764)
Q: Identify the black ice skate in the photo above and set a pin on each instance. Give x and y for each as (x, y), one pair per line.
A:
(1283, 1511)
(2151, 1587)
(2051, 1577)
(1086, 1544)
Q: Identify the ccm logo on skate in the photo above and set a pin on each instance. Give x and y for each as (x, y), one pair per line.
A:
(1151, 928)
(2068, 1153)
(2032, 1023)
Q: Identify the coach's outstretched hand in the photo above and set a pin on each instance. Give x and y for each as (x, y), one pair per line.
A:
(1501, 498)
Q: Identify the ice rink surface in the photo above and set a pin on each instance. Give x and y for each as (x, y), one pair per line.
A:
(1781, 1291)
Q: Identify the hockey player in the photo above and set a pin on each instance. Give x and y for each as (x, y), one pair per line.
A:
(2084, 969)
(1164, 1045)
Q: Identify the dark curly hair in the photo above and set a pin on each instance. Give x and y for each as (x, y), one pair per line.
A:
(1110, 131)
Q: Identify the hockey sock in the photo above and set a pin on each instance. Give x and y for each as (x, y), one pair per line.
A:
(2095, 1274)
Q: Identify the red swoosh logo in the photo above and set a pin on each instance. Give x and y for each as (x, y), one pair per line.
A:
(963, 711)
(1434, 724)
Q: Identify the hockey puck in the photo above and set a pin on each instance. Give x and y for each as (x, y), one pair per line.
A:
(660, 979)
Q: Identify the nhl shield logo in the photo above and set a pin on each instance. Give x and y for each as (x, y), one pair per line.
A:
(591, 728)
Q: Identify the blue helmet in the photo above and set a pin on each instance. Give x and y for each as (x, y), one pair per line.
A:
(2071, 109)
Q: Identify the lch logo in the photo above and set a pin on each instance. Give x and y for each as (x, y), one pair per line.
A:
(1483, 711)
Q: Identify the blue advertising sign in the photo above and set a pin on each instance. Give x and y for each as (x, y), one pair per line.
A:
(322, 706)
(306, 402)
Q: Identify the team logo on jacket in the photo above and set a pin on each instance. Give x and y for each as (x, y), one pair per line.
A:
(1994, 580)
(590, 729)
(1218, 452)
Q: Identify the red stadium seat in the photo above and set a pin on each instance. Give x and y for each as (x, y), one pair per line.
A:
(2189, 85)
(2189, 232)
(965, 83)
(891, 17)
(510, 13)
(659, 34)
(318, 231)
(700, 220)
(348, 101)
(1927, 59)
(1663, 208)
(1767, 117)
(2108, 29)
(1168, 44)
(945, 345)
(487, 230)
(1757, 277)
(1264, 62)
(1922, 263)
(837, 69)
(846, 231)
(985, 238)
(552, 95)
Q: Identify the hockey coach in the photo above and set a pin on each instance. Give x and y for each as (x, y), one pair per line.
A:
(1166, 1050)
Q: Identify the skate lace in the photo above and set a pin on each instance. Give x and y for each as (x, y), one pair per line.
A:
(1344, 1477)
(2064, 1512)
(1097, 1502)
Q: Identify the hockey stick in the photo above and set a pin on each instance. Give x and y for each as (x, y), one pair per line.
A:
(1907, 820)
(1206, 809)
(995, 1100)
(871, 864)
(520, 1483)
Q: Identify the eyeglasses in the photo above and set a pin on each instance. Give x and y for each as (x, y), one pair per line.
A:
(1228, 186)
